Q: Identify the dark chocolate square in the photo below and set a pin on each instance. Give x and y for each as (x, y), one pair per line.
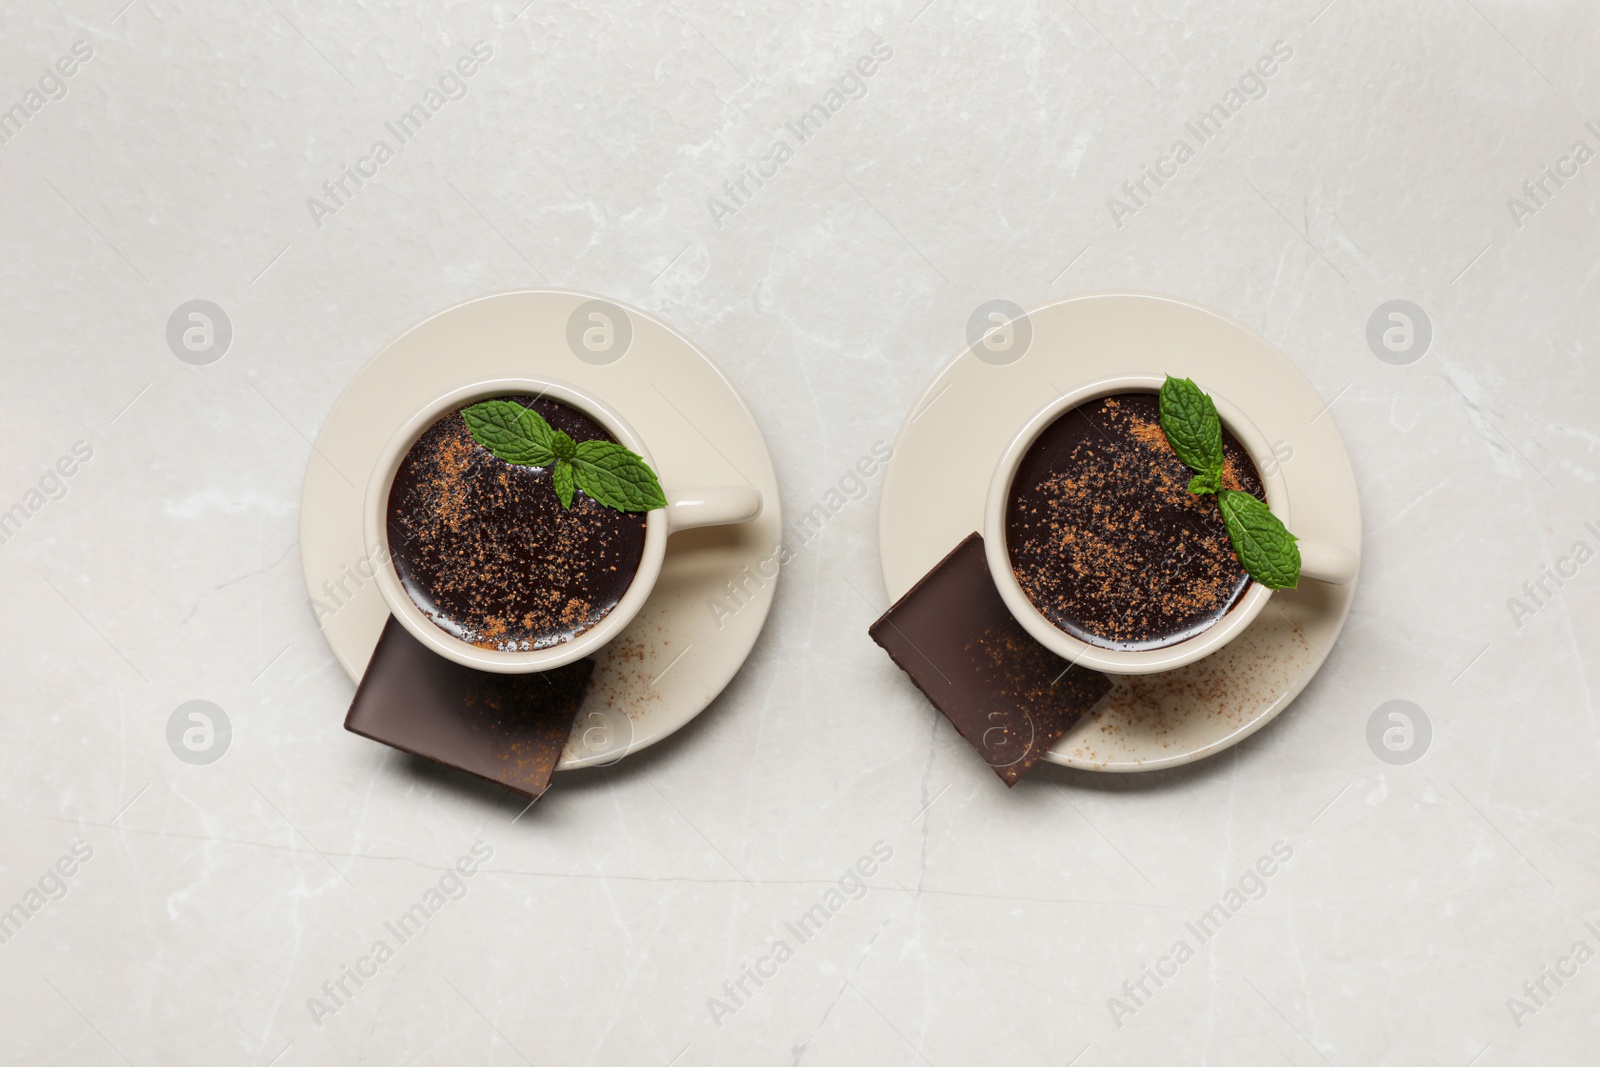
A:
(508, 728)
(1008, 695)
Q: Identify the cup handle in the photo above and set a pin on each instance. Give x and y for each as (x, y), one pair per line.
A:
(690, 508)
(1327, 562)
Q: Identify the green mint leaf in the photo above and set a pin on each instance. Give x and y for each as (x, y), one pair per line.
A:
(1264, 546)
(510, 432)
(616, 477)
(562, 477)
(1190, 421)
(610, 474)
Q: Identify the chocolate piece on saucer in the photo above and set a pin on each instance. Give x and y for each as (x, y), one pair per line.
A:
(1008, 695)
(508, 728)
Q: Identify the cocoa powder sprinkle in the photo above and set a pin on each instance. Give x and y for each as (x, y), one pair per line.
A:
(1104, 537)
(486, 550)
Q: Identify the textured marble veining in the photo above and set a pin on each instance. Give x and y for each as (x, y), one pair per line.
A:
(1334, 904)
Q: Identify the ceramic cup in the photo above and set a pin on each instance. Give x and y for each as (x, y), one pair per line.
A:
(686, 509)
(1319, 560)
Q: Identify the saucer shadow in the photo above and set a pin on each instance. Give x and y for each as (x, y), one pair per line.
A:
(1162, 779)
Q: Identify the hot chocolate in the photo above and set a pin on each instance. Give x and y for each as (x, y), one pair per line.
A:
(1104, 537)
(486, 549)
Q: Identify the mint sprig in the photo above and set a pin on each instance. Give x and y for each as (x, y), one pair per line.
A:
(512, 432)
(616, 477)
(1189, 419)
(605, 471)
(1265, 547)
(562, 479)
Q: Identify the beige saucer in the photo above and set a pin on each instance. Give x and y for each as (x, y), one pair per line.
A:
(935, 487)
(679, 651)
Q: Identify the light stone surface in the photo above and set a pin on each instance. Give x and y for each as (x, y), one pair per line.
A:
(219, 899)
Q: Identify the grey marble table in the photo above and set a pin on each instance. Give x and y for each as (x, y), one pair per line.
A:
(1336, 157)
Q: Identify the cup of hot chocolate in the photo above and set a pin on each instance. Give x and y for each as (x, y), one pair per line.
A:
(499, 559)
(1105, 552)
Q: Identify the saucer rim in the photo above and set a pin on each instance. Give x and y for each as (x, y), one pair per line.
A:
(526, 302)
(1343, 597)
